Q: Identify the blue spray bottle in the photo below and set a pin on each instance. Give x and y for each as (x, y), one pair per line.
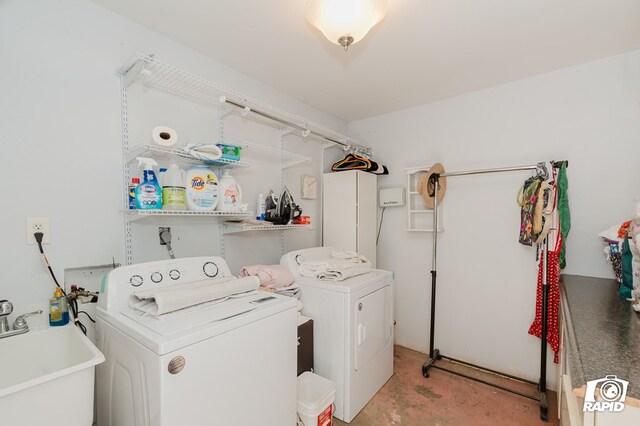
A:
(149, 192)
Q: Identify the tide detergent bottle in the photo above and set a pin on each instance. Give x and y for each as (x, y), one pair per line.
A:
(149, 192)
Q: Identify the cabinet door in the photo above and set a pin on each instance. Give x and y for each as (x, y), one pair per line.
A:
(373, 325)
(339, 210)
(367, 215)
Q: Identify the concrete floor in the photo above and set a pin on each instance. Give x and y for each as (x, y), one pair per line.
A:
(409, 399)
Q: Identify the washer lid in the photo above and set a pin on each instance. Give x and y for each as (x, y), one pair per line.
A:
(188, 326)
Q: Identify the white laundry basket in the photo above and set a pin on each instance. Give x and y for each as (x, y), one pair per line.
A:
(315, 400)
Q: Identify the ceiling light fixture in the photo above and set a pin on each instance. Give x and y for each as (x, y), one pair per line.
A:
(345, 22)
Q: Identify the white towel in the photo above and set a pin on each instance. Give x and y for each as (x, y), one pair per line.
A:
(203, 151)
(160, 301)
(335, 269)
(344, 254)
(342, 273)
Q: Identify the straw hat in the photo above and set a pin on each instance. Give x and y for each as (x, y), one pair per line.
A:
(426, 187)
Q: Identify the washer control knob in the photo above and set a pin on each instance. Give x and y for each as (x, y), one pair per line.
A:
(210, 269)
(136, 280)
(156, 277)
(174, 274)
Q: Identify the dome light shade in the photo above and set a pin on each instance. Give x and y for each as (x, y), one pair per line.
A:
(345, 22)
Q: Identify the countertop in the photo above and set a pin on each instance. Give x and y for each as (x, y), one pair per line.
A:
(603, 333)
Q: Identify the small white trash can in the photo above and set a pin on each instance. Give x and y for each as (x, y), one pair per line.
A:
(315, 400)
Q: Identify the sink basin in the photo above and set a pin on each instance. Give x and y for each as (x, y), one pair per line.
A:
(40, 370)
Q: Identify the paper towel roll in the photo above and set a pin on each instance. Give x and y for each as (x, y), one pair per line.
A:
(164, 136)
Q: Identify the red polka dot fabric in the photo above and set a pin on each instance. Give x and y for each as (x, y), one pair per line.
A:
(553, 303)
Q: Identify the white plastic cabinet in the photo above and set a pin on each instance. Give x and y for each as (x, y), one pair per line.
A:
(349, 212)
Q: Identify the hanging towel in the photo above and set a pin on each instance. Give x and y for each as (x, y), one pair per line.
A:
(562, 186)
(159, 301)
(202, 151)
(270, 276)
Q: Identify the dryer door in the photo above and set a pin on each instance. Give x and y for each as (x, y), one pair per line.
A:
(372, 325)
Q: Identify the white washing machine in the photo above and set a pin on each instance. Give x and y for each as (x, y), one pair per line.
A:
(231, 363)
(353, 330)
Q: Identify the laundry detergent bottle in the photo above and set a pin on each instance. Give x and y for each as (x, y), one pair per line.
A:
(174, 192)
(148, 193)
(58, 309)
(230, 193)
(202, 189)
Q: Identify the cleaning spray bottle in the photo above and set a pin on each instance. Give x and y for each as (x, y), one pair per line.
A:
(148, 193)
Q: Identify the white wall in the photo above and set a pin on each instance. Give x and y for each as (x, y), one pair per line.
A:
(589, 115)
(61, 143)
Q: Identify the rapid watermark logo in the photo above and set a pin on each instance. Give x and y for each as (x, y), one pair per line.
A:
(613, 392)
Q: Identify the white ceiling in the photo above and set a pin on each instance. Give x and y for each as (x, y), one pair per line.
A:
(423, 50)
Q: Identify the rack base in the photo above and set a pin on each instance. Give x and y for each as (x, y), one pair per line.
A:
(541, 397)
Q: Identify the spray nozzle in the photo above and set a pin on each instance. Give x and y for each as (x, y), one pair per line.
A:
(149, 163)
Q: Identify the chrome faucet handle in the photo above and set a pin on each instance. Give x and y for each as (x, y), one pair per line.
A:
(20, 323)
(6, 308)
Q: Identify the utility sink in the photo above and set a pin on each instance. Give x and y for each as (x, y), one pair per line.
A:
(47, 378)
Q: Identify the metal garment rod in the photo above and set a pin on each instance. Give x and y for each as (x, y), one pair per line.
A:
(556, 164)
(483, 171)
(295, 126)
(435, 355)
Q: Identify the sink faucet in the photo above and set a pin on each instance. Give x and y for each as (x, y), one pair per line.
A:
(20, 325)
(6, 308)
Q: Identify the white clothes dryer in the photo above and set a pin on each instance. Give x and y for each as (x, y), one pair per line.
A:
(353, 330)
(226, 363)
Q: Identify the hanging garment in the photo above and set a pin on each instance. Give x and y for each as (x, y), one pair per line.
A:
(554, 242)
(562, 186)
(627, 271)
(526, 199)
(616, 261)
(543, 211)
(553, 303)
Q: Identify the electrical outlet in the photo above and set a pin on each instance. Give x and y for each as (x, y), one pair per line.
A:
(38, 224)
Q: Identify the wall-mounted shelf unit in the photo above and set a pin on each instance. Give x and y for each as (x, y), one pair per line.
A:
(232, 228)
(151, 72)
(419, 217)
(178, 156)
(138, 215)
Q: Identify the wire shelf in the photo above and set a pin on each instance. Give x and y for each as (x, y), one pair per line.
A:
(136, 215)
(176, 155)
(149, 71)
(232, 228)
(271, 154)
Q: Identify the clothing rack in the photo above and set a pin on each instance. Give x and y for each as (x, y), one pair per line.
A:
(435, 355)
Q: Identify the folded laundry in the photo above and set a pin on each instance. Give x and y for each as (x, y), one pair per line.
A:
(270, 276)
(159, 301)
(339, 267)
(202, 151)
